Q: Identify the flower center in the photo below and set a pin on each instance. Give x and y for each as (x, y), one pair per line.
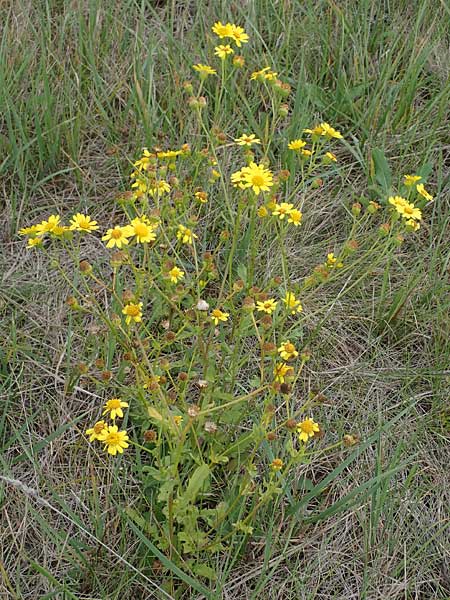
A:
(116, 234)
(133, 311)
(114, 403)
(289, 348)
(99, 427)
(141, 230)
(307, 427)
(258, 180)
(113, 438)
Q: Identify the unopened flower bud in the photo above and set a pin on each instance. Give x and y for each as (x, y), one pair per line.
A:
(291, 424)
(150, 435)
(238, 61)
(283, 111)
(271, 436)
(350, 440)
(85, 267)
(356, 209)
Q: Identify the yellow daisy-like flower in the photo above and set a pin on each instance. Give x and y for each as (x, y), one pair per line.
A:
(292, 303)
(186, 235)
(281, 371)
(330, 132)
(176, 274)
(80, 222)
(262, 212)
(49, 226)
(306, 153)
(223, 51)
(409, 211)
(168, 154)
(267, 306)
(397, 201)
(142, 230)
(412, 225)
(332, 261)
(330, 157)
(296, 144)
(287, 351)
(317, 130)
(115, 441)
(114, 408)
(96, 430)
(238, 35)
(282, 210)
(133, 312)
(204, 70)
(217, 315)
(295, 217)
(117, 236)
(35, 242)
(423, 192)
(159, 188)
(247, 140)
(140, 185)
(32, 230)
(221, 30)
(177, 419)
(256, 177)
(263, 74)
(276, 464)
(202, 197)
(143, 163)
(410, 180)
(306, 429)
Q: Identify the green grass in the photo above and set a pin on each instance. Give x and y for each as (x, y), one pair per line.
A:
(83, 86)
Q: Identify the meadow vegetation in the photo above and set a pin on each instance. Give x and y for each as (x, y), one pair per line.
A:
(224, 358)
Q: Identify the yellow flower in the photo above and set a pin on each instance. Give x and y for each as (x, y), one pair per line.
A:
(292, 303)
(169, 153)
(263, 74)
(33, 230)
(277, 464)
(306, 153)
(262, 212)
(281, 371)
(306, 429)
(49, 226)
(178, 419)
(281, 210)
(296, 144)
(423, 192)
(114, 440)
(158, 188)
(204, 70)
(326, 130)
(329, 156)
(397, 201)
(96, 430)
(140, 185)
(287, 351)
(221, 30)
(144, 161)
(406, 209)
(217, 315)
(114, 408)
(34, 242)
(247, 140)
(80, 222)
(330, 132)
(118, 236)
(332, 261)
(412, 225)
(295, 217)
(409, 211)
(201, 197)
(317, 130)
(257, 177)
(176, 274)
(144, 231)
(223, 51)
(267, 306)
(238, 35)
(185, 235)
(133, 312)
(411, 179)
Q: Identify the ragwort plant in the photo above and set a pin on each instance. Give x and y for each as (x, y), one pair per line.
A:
(211, 349)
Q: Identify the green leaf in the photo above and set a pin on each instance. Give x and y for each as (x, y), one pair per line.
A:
(196, 482)
(381, 170)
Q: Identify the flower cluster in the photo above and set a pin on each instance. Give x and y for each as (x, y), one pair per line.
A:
(114, 441)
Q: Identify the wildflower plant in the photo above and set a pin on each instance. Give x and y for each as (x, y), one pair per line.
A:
(210, 348)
